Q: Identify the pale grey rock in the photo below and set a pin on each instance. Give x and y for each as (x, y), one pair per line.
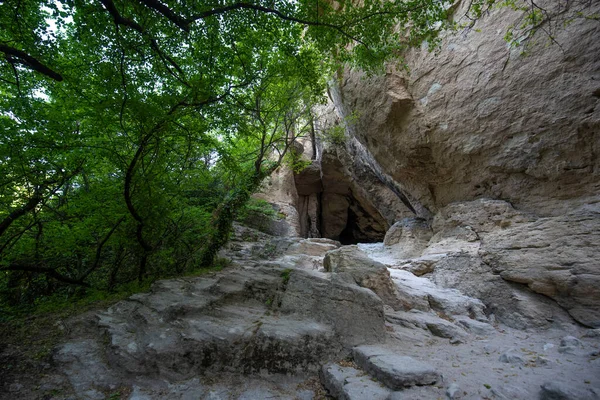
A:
(513, 304)
(512, 356)
(313, 247)
(423, 294)
(561, 391)
(533, 144)
(86, 368)
(475, 327)
(188, 326)
(553, 256)
(548, 346)
(568, 349)
(347, 383)
(279, 189)
(356, 313)
(428, 321)
(350, 264)
(395, 371)
(570, 341)
(422, 265)
(592, 333)
(408, 237)
(533, 140)
(540, 360)
(453, 391)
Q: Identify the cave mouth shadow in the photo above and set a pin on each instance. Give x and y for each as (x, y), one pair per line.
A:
(354, 233)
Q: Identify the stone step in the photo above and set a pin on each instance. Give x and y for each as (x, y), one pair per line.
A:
(349, 383)
(393, 370)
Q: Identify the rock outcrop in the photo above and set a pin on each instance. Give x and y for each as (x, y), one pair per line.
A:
(476, 118)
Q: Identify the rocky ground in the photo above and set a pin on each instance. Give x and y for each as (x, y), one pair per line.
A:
(310, 319)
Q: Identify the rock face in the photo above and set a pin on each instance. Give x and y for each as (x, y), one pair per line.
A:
(516, 262)
(408, 238)
(554, 256)
(475, 119)
(350, 264)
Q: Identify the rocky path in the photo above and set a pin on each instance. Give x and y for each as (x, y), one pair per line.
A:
(308, 319)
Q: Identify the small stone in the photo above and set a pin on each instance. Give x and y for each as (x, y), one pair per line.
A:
(453, 391)
(15, 387)
(456, 341)
(539, 360)
(570, 341)
(512, 356)
(548, 346)
(567, 350)
(592, 333)
(348, 383)
(560, 391)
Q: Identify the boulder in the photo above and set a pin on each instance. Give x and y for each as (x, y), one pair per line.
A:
(351, 265)
(408, 237)
(561, 391)
(308, 181)
(355, 313)
(422, 294)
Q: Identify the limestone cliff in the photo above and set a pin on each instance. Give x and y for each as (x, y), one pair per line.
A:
(478, 119)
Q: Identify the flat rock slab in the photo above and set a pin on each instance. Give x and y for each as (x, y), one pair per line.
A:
(395, 371)
(348, 383)
(427, 321)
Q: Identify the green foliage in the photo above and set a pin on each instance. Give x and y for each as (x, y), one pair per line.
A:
(257, 208)
(296, 162)
(285, 275)
(547, 19)
(336, 134)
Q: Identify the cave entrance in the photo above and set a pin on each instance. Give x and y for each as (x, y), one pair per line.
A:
(347, 236)
(360, 227)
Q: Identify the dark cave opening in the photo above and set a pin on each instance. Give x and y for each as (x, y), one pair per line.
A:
(356, 231)
(347, 235)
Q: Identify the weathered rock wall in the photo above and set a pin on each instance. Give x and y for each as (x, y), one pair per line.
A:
(477, 119)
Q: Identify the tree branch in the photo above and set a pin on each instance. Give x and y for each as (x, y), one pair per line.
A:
(17, 56)
(267, 10)
(47, 271)
(168, 13)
